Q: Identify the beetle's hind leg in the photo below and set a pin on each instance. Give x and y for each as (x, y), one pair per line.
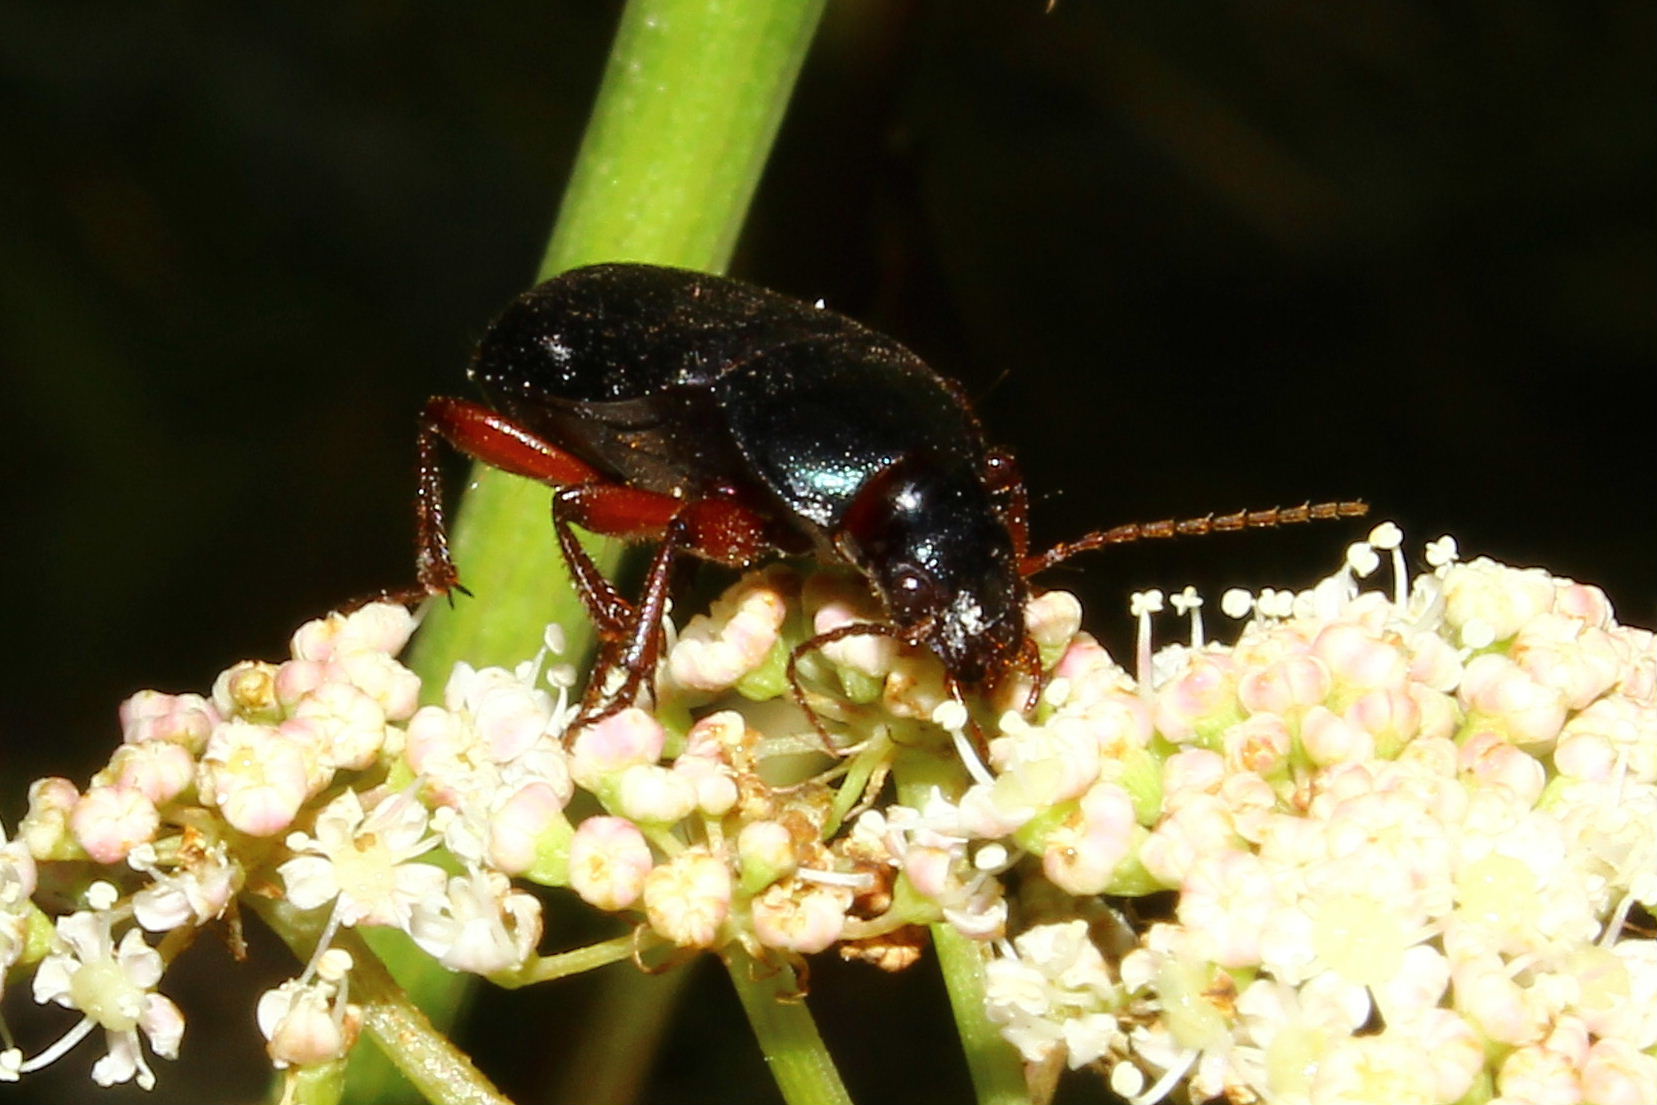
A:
(482, 434)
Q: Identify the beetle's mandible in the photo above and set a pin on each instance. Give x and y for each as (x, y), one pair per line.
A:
(736, 423)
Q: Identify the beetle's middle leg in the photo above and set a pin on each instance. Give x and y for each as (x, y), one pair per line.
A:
(631, 634)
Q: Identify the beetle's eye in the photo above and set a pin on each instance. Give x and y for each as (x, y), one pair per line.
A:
(912, 587)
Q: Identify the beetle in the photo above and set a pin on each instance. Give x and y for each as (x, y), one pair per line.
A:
(736, 423)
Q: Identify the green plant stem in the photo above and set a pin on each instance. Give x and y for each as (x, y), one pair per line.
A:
(996, 1068)
(794, 1050)
(545, 968)
(685, 117)
(690, 103)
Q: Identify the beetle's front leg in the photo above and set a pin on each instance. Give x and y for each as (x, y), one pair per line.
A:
(1012, 499)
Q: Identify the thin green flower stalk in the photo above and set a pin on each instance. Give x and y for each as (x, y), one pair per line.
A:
(1393, 844)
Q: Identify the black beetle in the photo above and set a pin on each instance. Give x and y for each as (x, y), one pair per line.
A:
(735, 423)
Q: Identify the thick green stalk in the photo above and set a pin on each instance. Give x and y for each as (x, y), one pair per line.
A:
(685, 118)
(689, 107)
(794, 1051)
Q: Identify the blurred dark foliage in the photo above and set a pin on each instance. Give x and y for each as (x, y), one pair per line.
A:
(1190, 256)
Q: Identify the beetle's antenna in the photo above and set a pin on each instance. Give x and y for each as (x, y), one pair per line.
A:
(1029, 654)
(1000, 378)
(812, 644)
(1194, 527)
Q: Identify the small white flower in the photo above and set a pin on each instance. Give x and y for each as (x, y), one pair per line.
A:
(195, 892)
(480, 925)
(113, 986)
(361, 861)
(307, 1022)
(1056, 991)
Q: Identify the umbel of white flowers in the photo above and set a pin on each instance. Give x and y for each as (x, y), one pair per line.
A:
(1406, 831)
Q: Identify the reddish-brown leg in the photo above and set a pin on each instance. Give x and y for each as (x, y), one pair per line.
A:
(1006, 484)
(811, 644)
(715, 528)
(484, 435)
(586, 505)
(631, 634)
(637, 650)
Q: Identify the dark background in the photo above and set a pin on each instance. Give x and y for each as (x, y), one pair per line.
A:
(1193, 257)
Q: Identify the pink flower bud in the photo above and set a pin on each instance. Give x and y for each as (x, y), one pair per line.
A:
(717, 735)
(158, 769)
(1390, 716)
(1357, 660)
(1206, 693)
(301, 1026)
(111, 821)
(1616, 1073)
(1499, 689)
(1259, 744)
(1584, 602)
(388, 683)
(800, 917)
(1492, 760)
(717, 649)
(257, 777)
(350, 723)
(1580, 662)
(1053, 618)
(45, 827)
(1083, 658)
(625, 738)
(1495, 596)
(516, 826)
(1331, 739)
(1291, 683)
(1081, 857)
(298, 678)
(710, 781)
(688, 899)
(654, 794)
(765, 852)
(183, 719)
(609, 860)
(434, 736)
(246, 690)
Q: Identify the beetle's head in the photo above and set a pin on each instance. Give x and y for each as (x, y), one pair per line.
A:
(930, 539)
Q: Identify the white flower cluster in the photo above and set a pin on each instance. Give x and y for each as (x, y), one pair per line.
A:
(1387, 847)
(1406, 841)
